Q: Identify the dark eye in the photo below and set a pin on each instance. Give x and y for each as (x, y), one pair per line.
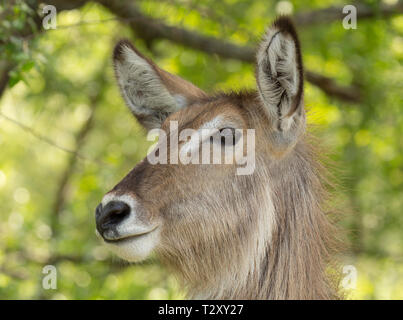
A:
(228, 136)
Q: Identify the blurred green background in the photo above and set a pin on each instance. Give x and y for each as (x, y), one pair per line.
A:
(66, 136)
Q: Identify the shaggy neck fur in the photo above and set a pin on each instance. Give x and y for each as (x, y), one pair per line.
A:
(284, 244)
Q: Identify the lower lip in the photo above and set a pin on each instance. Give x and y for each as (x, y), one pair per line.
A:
(129, 238)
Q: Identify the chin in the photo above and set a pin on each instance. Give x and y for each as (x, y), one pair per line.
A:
(134, 249)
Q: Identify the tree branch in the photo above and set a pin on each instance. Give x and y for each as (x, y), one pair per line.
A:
(331, 14)
(20, 275)
(5, 68)
(44, 138)
(60, 195)
(332, 89)
(150, 29)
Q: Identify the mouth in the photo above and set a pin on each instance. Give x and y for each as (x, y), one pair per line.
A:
(131, 237)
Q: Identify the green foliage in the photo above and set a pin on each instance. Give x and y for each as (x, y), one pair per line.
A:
(16, 27)
(66, 69)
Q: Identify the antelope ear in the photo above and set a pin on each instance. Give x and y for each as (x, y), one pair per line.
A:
(280, 79)
(151, 93)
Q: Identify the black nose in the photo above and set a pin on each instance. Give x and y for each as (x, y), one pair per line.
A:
(110, 215)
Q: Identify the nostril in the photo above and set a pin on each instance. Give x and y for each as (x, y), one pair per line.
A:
(115, 216)
(98, 211)
(112, 214)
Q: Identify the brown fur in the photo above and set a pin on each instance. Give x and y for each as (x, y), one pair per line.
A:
(292, 266)
(259, 236)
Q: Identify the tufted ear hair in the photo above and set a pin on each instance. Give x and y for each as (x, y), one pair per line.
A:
(151, 93)
(279, 76)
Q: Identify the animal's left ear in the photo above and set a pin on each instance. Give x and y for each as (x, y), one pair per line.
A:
(151, 93)
(279, 77)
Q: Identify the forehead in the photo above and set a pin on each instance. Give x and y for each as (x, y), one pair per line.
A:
(211, 113)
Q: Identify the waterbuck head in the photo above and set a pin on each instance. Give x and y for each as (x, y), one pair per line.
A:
(257, 234)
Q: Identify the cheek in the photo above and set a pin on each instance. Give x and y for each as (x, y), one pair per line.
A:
(199, 217)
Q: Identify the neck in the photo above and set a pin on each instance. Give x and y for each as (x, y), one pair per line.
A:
(282, 248)
(301, 247)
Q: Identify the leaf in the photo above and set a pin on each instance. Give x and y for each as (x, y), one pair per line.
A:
(27, 66)
(15, 77)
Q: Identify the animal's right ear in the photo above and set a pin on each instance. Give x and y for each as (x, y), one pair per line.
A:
(280, 80)
(151, 93)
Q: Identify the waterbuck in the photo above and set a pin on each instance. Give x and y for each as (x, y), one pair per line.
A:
(263, 235)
